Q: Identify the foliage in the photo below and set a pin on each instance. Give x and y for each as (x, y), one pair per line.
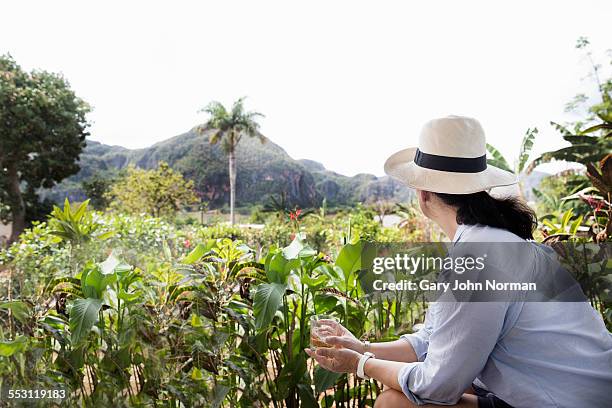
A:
(96, 188)
(586, 147)
(552, 190)
(590, 145)
(599, 198)
(498, 160)
(564, 225)
(159, 192)
(75, 226)
(43, 132)
(159, 315)
(184, 316)
(583, 211)
(228, 126)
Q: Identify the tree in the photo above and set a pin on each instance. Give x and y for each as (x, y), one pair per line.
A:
(227, 128)
(42, 134)
(96, 188)
(159, 192)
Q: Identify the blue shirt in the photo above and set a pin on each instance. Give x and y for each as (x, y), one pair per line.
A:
(529, 354)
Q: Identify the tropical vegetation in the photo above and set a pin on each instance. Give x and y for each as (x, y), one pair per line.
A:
(123, 298)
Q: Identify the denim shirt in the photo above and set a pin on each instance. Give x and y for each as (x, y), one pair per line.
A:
(529, 354)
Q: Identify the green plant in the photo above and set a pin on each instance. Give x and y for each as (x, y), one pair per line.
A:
(75, 226)
(565, 225)
(498, 160)
(188, 315)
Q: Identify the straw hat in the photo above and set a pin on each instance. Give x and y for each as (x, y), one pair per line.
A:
(451, 158)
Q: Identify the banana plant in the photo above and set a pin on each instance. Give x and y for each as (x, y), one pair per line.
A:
(586, 146)
(498, 160)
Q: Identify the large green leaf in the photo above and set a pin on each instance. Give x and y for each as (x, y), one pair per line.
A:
(94, 282)
(349, 258)
(195, 255)
(277, 268)
(526, 147)
(298, 248)
(497, 159)
(20, 310)
(581, 139)
(314, 283)
(266, 301)
(601, 126)
(112, 265)
(96, 278)
(10, 347)
(83, 316)
(324, 379)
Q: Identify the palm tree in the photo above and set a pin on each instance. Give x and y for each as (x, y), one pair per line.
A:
(227, 128)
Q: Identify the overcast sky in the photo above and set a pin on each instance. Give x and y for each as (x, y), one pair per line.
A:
(345, 83)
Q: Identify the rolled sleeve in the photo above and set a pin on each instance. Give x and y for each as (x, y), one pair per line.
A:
(403, 379)
(420, 339)
(457, 351)
(419, 342)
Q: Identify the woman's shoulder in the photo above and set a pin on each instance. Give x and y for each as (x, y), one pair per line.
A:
(485, 233)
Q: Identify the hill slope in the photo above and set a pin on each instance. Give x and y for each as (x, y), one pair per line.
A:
(263, 170)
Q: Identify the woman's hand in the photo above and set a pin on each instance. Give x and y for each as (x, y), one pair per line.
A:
(338, 360)
(334, 334)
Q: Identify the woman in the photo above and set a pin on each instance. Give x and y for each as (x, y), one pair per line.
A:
(493, 354)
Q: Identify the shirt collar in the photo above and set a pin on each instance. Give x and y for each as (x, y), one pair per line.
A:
(460, 230)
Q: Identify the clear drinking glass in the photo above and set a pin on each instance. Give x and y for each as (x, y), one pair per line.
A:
(322, 326)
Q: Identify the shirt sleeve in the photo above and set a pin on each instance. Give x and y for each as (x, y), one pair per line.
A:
(458, 349)
(420, 339)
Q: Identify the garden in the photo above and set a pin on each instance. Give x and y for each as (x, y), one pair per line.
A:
(125, 299)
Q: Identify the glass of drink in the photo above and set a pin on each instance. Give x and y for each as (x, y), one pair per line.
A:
(322, 326)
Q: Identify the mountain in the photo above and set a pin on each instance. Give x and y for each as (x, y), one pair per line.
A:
(264, 169)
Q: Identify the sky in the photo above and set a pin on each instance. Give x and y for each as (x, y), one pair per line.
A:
(345, 83)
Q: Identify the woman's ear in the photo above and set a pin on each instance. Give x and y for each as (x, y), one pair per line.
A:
(423, 198)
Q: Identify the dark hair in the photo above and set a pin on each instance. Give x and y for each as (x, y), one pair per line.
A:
(507, 213)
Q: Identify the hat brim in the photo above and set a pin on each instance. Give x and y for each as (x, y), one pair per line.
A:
(401, 166)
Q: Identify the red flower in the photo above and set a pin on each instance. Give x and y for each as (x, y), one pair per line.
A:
(187, 244)
(592, 201)
(294, 215)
